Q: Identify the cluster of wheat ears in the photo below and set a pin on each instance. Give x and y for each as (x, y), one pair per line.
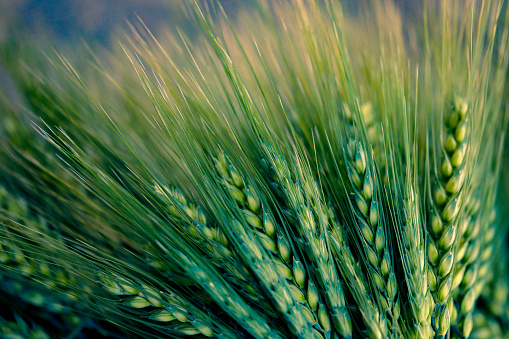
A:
(298, 171)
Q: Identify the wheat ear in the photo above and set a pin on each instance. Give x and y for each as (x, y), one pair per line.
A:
(271, 235)
(351, 270)
(194, 223)
(19, 260)
(305, 201)
(165, 307)
(367, 210)
(445, 203)
(413, 257)
(477, 243)
(20, 329)
(495, 291)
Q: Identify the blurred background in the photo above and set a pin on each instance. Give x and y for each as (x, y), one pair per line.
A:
(95, 20)
(90, 20)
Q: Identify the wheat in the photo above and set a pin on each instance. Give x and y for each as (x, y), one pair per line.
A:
(252, 212)
(475, 275)
(275, 272)
(311, 220)
(166, 306)
(485, 326)
(412, 251)
(466, 278)
(316, 183)
(20, 329)
(273, 238)
(477, 244)
(194, 223)
(495, 291)
(17, 260)
(373, 132)
(369, 216)
(445, 203)
(375, 321)
(224, 295)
